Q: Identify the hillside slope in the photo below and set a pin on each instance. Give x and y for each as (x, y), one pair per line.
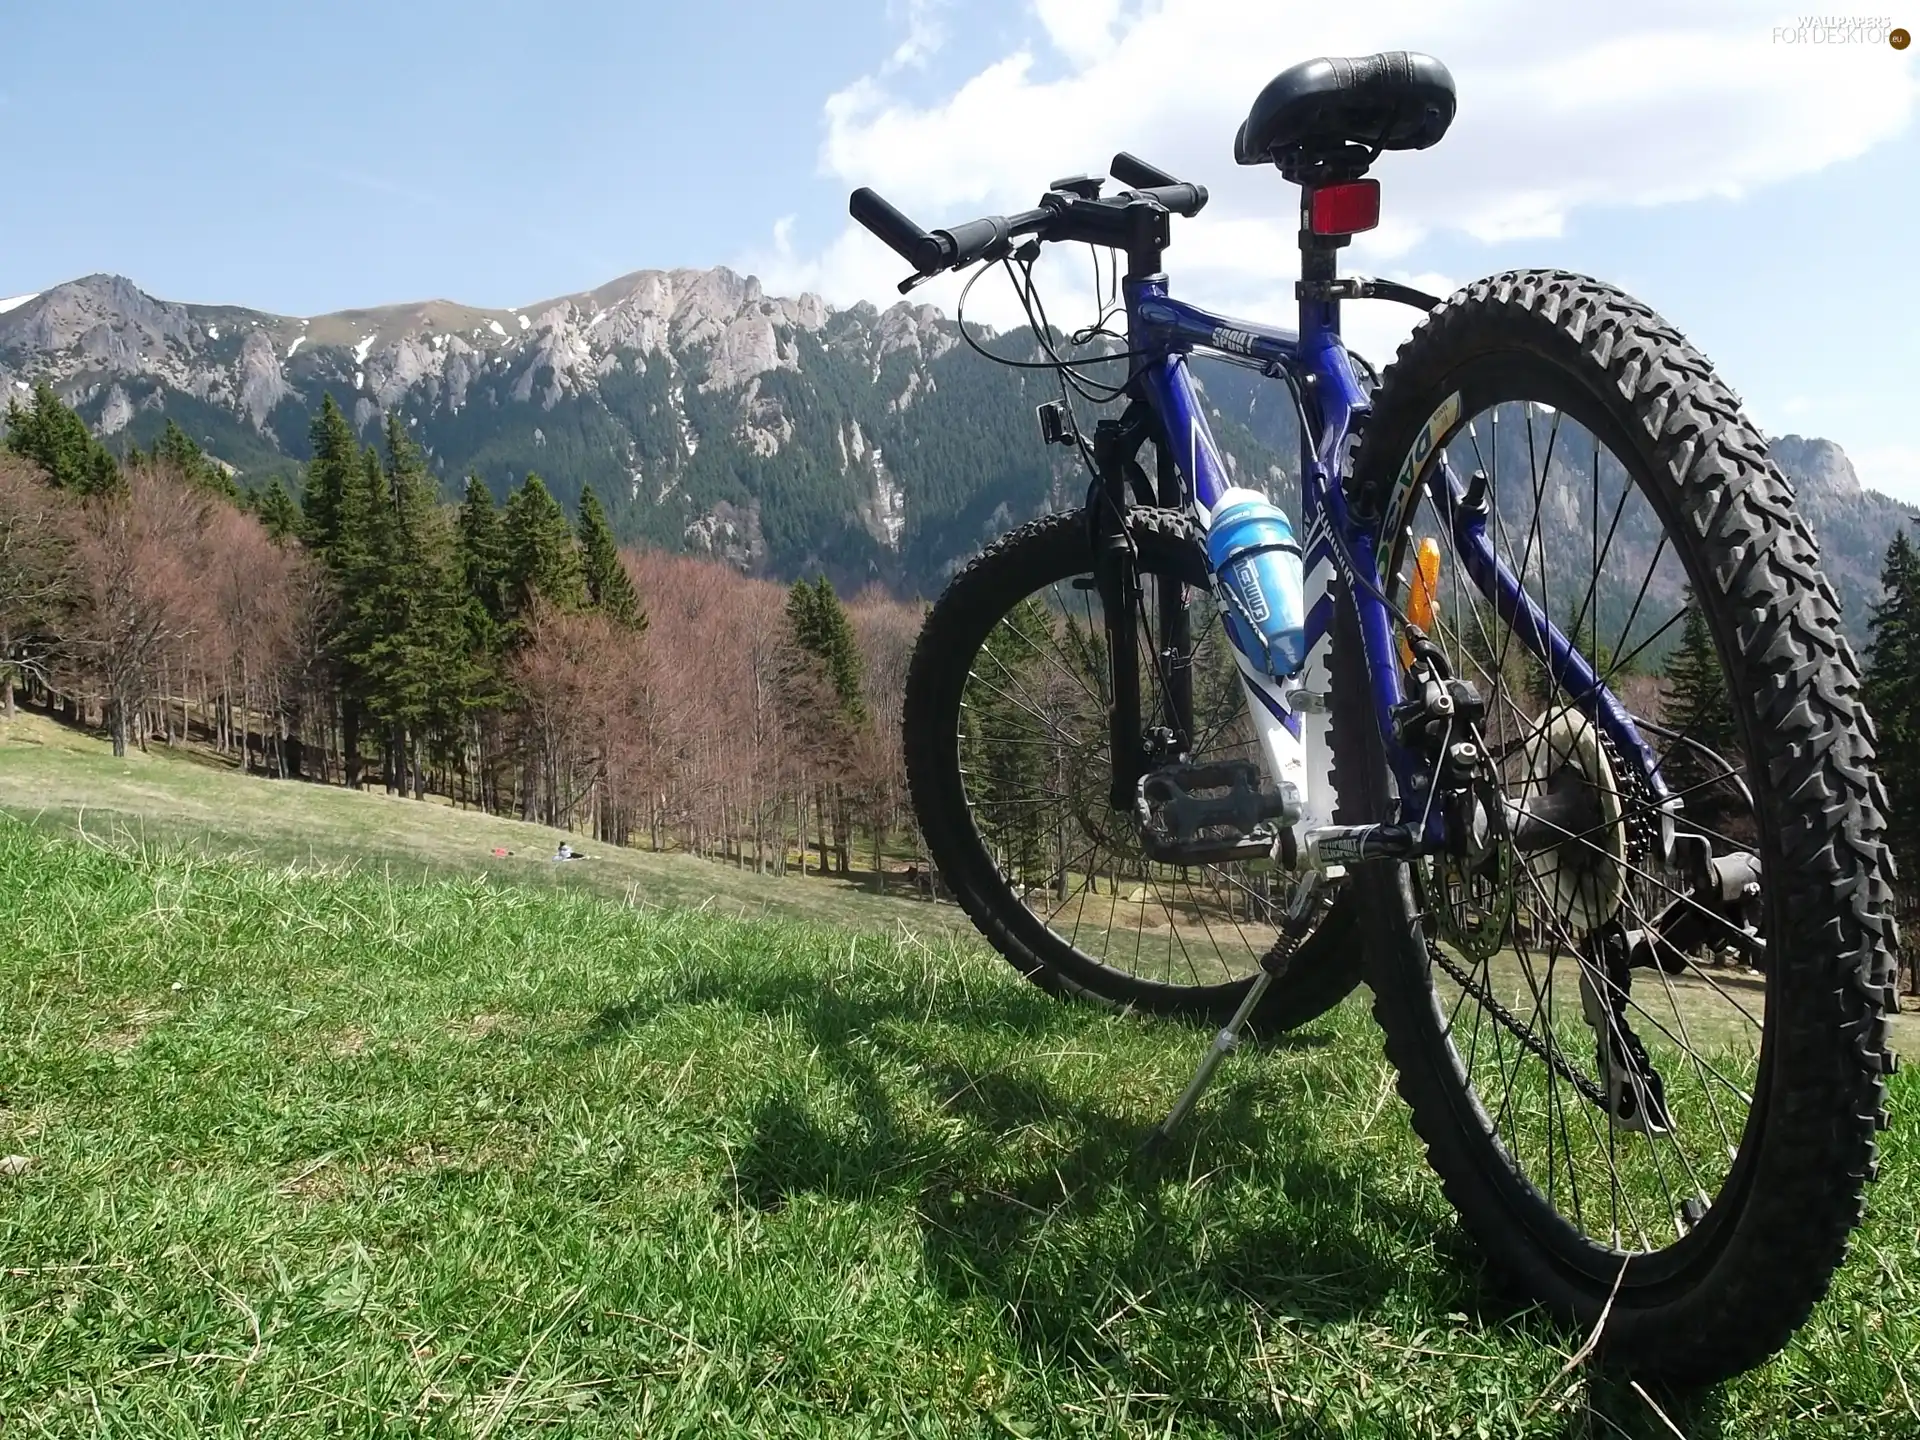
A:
(71, 784)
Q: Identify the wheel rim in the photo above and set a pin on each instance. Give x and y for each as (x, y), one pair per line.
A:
(1031, 731)
(1526, 996)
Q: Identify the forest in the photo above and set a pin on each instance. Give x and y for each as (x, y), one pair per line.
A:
(511, 658)
(494, 656)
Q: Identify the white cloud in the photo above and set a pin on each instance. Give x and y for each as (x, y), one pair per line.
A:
(1634, 103)
(925, 35)
(1081, 30)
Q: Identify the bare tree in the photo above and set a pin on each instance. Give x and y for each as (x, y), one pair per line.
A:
(886, 631)
(36, 574)
(581, 679)
(251, 588)
(138, 590)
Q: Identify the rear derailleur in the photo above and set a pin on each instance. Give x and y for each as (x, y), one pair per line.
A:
(1636, 1097)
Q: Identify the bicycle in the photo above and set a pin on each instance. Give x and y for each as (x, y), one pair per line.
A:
(1466, 793)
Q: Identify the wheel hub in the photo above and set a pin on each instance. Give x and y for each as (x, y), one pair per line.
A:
(1571, 824)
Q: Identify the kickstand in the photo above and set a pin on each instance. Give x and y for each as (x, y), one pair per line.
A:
(1292, 931)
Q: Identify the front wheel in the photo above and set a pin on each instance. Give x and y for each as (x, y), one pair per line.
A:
(1629, 1127)
(1007, 750)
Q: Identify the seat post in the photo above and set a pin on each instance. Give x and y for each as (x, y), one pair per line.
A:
(1319, 268)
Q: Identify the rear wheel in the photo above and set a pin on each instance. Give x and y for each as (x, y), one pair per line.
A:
(1622, 1118)
(1007, 758)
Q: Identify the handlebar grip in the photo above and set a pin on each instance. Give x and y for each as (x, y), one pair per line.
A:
(1182, 197)
(926, 253)
(973, 239)
(1137, 174)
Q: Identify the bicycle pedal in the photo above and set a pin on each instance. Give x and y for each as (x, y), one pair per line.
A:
(1167, 796)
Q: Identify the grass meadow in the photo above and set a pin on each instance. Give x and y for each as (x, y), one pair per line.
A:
(326, 1123)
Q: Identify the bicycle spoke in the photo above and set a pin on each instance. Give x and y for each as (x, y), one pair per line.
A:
(1036, 770)
(1520, 1059)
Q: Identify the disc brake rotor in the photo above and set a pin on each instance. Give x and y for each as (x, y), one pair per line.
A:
(1474, 903)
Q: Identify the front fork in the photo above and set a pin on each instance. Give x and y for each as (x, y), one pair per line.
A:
(1116, 443)
(1117, 580)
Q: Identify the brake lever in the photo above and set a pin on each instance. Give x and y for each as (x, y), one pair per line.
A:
(1025, 253)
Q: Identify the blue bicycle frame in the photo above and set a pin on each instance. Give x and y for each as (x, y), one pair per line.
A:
(1166, 331)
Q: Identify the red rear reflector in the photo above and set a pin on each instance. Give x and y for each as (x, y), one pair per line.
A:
(1344, 209)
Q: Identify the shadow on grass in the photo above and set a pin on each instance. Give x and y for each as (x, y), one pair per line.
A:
(1041, 1201)
(1607, 1405)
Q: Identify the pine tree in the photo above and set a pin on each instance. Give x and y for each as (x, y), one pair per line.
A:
(177, 448)
(350, 545)
(821, 629)
(1891, 689)
(483, 558)
(277, 511)
(825, 707)
(58, 441)
(609, 587)
(410, 639)
(1697, 701)
(336, 459)
(541, 560)
(1699, 707)
(481, 548)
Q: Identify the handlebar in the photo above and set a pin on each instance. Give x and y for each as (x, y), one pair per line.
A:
(908, 240)
(1063, 214)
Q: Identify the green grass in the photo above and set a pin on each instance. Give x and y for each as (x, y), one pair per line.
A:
(341, 1153)
(339, 1125)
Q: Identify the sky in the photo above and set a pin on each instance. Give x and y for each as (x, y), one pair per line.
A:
(1756, 181)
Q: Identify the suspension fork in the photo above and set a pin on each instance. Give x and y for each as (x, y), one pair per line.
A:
(1115, 443)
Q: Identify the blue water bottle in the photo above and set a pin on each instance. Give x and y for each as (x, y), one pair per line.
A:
(1251, 549)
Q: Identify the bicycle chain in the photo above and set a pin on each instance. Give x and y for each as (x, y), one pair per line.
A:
(1519, 1028)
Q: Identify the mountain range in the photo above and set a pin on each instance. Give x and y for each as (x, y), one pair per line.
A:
(785, 435)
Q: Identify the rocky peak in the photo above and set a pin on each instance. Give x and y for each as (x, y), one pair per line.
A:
(1816, 465)
(919, 328)
(107, 318)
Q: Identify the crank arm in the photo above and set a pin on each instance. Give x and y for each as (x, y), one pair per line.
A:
(1203, 852)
